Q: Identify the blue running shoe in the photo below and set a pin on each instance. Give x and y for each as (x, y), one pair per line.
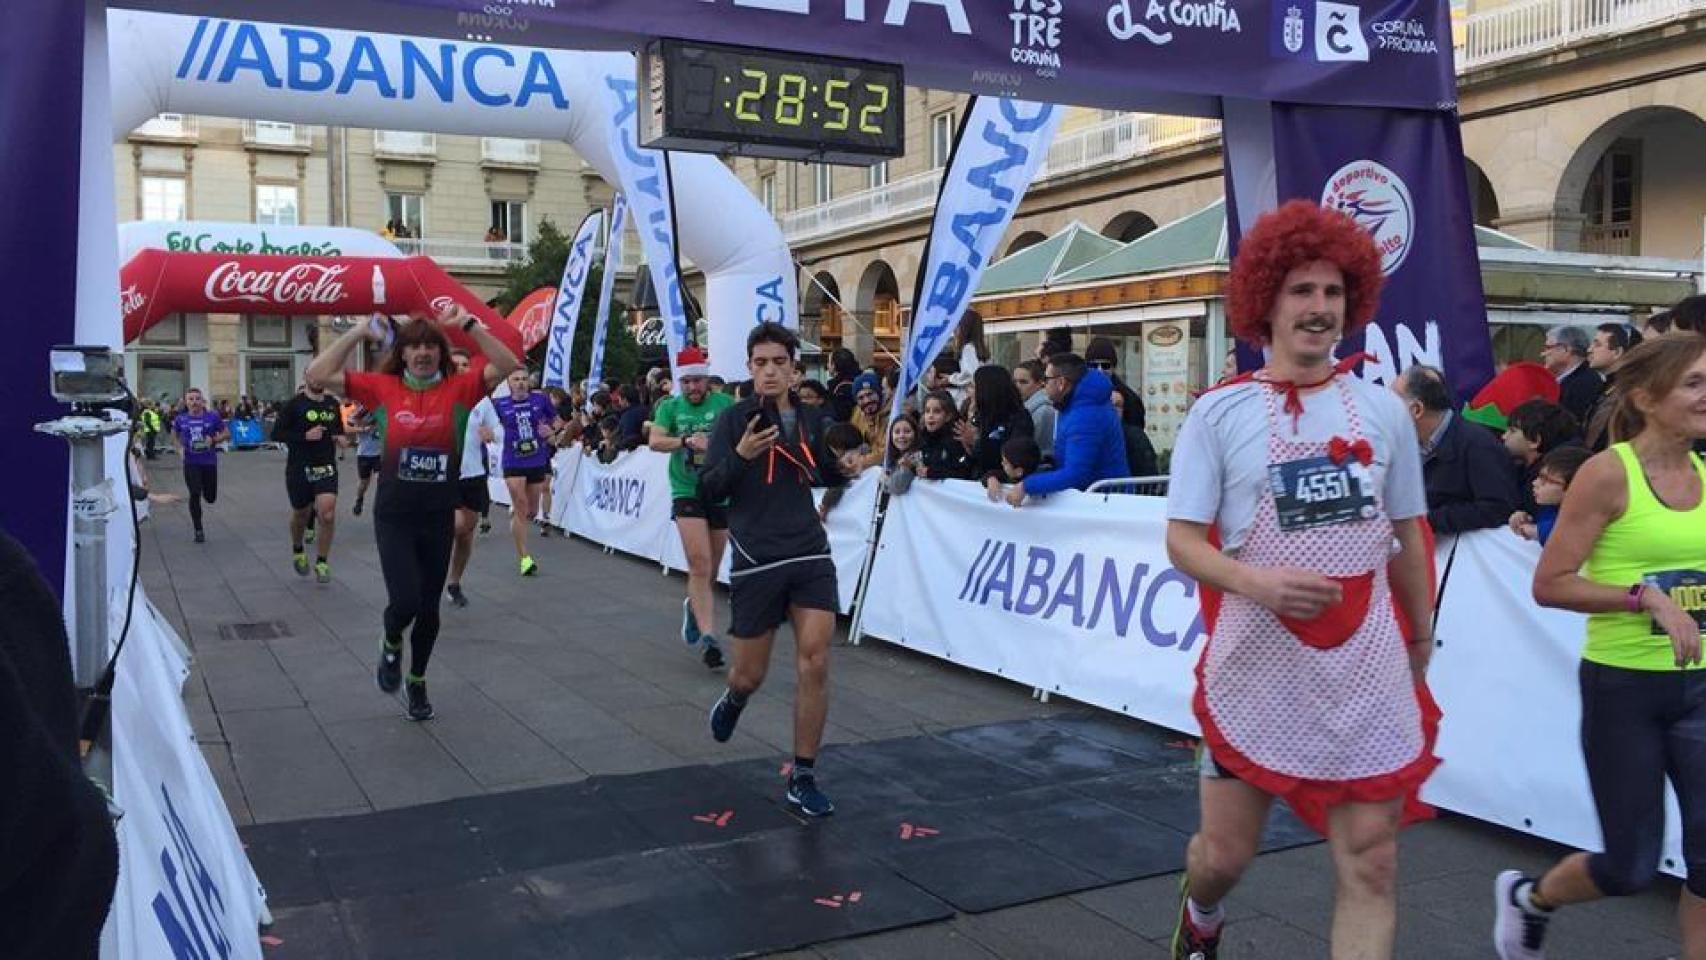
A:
(690, 634)
(804, 796)
(724, 716)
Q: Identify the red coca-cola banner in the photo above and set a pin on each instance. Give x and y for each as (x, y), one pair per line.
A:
(532, 316)
(156, 283)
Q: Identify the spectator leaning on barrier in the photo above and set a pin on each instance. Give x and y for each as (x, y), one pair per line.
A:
(1140, 457)
(997, 415)
(1089, 443)
(1551, 481)
(1566, 356)
(1028, 377)
(1470, 481)
(941, 455)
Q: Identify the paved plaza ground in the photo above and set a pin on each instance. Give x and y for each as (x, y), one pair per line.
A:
(579, 673)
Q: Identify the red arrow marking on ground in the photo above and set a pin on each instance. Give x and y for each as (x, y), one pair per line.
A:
(855, 897)
(270, 941)
(718, 819)
(908, 831)
(837, 901)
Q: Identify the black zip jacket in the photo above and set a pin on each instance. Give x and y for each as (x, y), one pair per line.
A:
(944, 456)
(772, 517)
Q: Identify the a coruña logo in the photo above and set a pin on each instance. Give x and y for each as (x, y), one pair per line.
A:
(1036, 35)
(300, 284)
(1376, 198)
(1217, 15)
(1292, 32)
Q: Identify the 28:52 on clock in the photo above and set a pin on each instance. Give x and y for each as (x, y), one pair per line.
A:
(723, 99)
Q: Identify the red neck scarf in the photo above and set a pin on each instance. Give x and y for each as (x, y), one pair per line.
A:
(1294, 391)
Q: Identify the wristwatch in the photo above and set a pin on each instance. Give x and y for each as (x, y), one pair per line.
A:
(469, 324)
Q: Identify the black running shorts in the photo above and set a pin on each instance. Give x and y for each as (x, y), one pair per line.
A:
(473, 494)
(761, 597)
(303, 483)
(694, 508)
(366, 467)
(534, 475)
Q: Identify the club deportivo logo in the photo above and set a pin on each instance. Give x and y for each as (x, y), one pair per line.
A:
(1378, 200)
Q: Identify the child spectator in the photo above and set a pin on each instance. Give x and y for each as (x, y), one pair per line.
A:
(847, 445)
(1552, 478)
(903, 453)
(1535, 429)
(1020, 457)
(941, 455)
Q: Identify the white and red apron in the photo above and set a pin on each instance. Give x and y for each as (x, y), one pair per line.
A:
(1326, 711)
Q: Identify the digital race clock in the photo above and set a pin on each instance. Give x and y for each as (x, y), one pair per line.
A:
(712, 98)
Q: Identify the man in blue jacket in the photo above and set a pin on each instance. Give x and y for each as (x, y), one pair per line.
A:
(1089, 444)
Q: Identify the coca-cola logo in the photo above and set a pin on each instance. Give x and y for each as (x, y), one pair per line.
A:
(299, 284)
(131, 299)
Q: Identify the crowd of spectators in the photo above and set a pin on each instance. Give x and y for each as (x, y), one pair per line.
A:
(1505, 459)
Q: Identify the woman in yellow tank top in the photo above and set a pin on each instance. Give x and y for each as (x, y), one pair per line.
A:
(1629, 550)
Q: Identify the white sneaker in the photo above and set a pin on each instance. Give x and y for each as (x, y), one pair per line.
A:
(1517, 933)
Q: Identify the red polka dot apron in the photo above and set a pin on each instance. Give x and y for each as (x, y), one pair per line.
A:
(1324, 711)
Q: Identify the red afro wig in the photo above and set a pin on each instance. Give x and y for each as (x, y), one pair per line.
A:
(1300, 232)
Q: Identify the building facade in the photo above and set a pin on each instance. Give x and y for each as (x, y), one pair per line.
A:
(470, 203)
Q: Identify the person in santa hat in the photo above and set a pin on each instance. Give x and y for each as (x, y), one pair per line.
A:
(681, 427)
(1289, 488)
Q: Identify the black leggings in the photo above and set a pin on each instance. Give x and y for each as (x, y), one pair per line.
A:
(202, 481)
(414, 556)
(1638, 728)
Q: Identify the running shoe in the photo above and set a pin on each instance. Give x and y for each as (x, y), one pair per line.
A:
(308, 535)
(544, 530)
(457, 597)
(485, 525)
(1189, 943)
(724, 716)
(804, 796)
(322, 571)
(200, 537)
(528, 567)
(713, 655)
(690, 634)
(1518, 933)
(299, 561)
(357, 510)
(420, 708)
(390, 667)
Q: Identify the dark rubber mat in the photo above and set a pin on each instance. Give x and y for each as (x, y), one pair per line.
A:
(707, 861)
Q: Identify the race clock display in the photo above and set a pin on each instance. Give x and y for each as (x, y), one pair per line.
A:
(721, 99)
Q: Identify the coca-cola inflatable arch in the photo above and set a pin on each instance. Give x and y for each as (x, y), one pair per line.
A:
(156, 283)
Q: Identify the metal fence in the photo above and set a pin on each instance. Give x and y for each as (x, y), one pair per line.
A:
(1132, 486)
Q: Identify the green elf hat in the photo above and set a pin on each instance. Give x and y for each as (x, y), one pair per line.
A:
(1514, 386)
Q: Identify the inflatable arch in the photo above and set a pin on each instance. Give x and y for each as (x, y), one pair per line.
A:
(164, 63)
(155, 282)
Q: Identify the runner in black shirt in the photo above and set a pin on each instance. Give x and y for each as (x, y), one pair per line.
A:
(306, 425)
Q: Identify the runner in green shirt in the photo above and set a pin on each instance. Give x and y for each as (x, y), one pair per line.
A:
(681, 427)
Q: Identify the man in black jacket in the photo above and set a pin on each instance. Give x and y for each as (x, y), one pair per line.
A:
(765, 455)
(1470, 480)
(1579, 385)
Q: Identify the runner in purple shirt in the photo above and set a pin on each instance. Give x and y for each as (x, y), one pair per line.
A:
(529, 420)
(198, 432)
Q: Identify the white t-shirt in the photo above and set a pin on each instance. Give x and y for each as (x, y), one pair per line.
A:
(483, 414)
(1220, 462)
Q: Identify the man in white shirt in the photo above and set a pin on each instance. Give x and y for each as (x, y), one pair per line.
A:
(476, 494)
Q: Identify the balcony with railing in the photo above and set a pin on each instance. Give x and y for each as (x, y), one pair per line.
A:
(464, 254)
(1123, 138)
(405, 145)
(174, 127)
(897, 199)
(273, 135)
(509, 152)
(1531, 27)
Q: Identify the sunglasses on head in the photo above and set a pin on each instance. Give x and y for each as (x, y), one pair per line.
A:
(1100, 364)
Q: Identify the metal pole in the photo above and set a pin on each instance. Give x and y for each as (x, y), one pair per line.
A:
(855, 630)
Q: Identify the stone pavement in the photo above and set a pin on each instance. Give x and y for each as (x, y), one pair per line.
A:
(580, 672)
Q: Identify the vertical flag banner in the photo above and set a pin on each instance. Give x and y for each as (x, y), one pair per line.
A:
(566, 309)
(644, 178)
(996, 153)
(1399, 173)
(607, 287)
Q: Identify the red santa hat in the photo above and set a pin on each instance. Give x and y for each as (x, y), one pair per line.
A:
(692, 362)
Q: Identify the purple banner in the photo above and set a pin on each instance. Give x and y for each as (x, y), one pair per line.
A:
(1169, 56)
(39, 137)
(1399, 174)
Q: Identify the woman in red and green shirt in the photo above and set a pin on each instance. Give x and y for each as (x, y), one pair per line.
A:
(421, 409)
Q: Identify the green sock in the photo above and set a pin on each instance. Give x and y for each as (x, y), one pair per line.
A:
(414, 678)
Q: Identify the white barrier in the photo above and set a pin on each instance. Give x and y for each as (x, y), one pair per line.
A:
(185, 888)
(1075, 595)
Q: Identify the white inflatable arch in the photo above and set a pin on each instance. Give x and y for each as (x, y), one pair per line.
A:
(167, 63)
